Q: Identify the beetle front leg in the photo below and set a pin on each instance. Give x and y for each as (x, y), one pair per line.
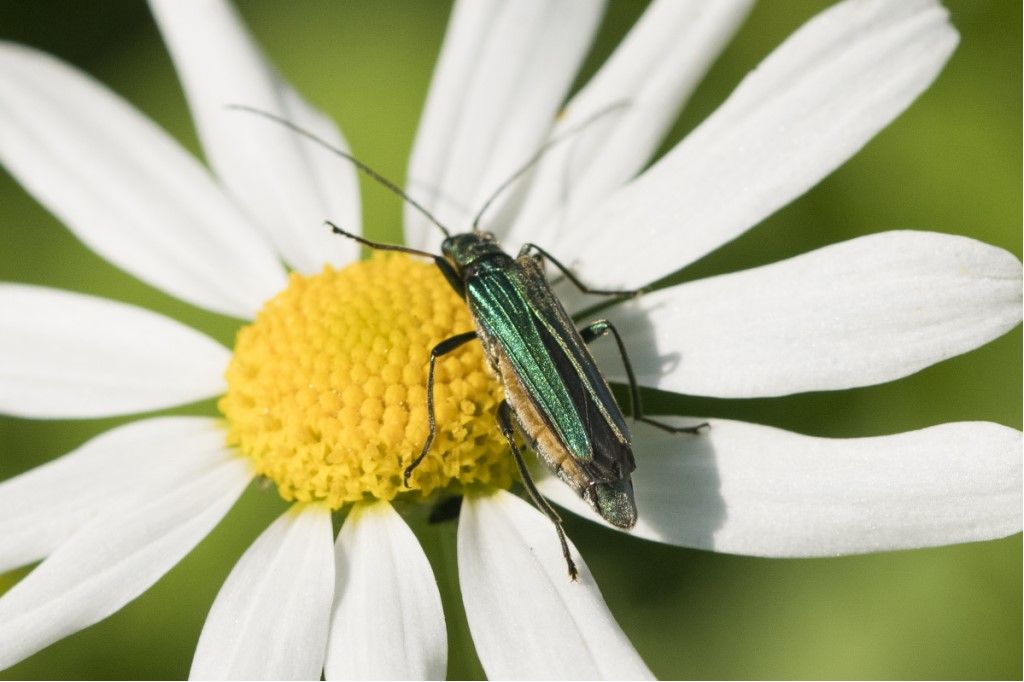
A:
(443, 348)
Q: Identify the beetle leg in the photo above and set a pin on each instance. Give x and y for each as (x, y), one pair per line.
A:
(443, 348)
(623, 293)
(599, 328)
(505, 424)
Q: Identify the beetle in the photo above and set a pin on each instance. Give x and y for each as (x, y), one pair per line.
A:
(554, 392)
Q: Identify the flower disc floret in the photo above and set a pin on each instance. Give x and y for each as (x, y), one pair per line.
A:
(327, 387)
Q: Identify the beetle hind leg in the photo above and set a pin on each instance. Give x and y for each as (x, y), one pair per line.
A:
(505, 424)
(692, 430)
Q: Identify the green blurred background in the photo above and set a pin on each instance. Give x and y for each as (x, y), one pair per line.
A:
(950, 164)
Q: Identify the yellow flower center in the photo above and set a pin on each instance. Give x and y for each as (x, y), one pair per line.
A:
(327, 388)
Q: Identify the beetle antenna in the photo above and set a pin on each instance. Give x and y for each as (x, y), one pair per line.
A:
(345, 155)
(537, 155)
(379, 246)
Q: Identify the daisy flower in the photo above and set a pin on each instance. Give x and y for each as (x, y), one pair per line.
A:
(323, 394)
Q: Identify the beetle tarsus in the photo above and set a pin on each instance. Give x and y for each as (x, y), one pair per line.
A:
(692, 430)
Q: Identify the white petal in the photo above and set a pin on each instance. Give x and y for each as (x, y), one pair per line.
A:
(286, 184)
(861, 312)
(41, 508)
(528, 620)
(270, 618)
(387, 622)
(503, 72)
(805, 110)
(750, 489)
(651, 74)
(70, 355)
(126, 188)
(113, 559)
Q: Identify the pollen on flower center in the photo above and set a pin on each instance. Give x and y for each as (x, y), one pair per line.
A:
(327, 388)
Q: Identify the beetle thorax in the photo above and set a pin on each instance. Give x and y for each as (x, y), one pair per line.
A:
(470, 248)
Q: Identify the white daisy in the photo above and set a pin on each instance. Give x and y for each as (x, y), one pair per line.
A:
(320, 398)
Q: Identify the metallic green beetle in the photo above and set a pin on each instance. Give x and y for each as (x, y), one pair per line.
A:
(554, 391)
